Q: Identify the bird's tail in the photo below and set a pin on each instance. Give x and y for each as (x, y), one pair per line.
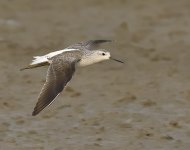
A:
(37, 62)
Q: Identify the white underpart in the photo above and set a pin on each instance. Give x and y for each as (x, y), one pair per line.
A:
(44, 58)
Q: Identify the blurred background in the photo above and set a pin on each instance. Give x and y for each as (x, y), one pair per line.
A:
(143, 104)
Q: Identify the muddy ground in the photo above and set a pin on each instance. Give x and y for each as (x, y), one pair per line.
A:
(141, 105)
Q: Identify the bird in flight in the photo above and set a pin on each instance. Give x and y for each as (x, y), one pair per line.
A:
(62, 66)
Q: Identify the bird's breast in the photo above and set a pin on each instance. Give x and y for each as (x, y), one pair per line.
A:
(87, 61)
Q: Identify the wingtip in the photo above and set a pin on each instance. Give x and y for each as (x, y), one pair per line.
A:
(37, 110)
(111, 41)
(34, 113)
(103, 40)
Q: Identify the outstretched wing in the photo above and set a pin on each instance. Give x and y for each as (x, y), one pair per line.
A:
(58, 75)
(91, 44)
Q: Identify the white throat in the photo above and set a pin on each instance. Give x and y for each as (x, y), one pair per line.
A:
(89, 61)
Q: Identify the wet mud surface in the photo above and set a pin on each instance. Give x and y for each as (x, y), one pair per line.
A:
(143, 104)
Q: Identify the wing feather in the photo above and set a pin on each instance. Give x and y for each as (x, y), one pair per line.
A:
(58, 75)
(91, 44)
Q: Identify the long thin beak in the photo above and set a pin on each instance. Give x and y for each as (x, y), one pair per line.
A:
(116, 60)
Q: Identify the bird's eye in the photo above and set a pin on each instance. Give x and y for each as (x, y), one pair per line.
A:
(103, 54)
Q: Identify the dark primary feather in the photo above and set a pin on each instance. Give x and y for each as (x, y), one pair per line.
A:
(59, 74)
(91, 44)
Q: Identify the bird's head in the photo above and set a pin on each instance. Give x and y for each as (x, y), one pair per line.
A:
(102, 55)
(95, 57)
